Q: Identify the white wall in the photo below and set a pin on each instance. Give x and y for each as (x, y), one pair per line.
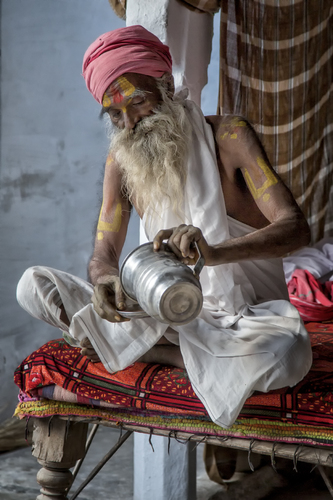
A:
(53, 148)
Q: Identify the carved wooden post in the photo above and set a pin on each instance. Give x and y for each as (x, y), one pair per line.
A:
(57, 445)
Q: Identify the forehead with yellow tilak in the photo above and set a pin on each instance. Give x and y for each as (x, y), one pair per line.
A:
(117, 91)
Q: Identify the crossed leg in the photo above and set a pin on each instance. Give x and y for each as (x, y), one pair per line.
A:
(163, 352)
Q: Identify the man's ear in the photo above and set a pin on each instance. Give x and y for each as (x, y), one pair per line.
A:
(169, 84)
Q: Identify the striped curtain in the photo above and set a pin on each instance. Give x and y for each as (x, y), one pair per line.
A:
(276, 69)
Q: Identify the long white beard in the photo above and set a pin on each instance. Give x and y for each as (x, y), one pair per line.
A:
(152, 157)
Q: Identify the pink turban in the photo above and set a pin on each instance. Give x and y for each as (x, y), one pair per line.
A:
(125, 50)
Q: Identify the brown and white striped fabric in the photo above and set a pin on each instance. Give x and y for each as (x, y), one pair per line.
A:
(276, 69)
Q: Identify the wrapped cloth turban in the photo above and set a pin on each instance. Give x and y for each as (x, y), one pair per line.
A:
(125, 50)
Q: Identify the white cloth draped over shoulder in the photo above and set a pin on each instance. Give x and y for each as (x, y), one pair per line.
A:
(247, 337)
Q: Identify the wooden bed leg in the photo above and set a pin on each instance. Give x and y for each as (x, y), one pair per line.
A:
(57, 444)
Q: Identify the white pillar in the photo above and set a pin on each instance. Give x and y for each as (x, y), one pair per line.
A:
(188, 34)
(163, 474)
(159, 475)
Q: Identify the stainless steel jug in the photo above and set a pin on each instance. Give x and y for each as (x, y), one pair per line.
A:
(165, 288)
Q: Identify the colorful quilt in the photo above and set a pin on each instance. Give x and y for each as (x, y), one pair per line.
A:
(163, 397)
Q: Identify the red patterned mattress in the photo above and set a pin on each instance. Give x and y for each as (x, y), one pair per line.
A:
(57, 371)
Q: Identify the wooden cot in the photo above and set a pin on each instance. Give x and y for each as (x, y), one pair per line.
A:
(61, 393)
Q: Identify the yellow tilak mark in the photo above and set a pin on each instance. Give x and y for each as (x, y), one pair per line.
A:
(112, 227)
(127, 88)
(266, 197)
(224, 135)
(233, 136)
(124, 108)
(271, 180)
(100, 236)
(106, 101)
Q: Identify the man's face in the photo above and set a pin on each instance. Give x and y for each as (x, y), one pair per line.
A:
(130, 98)
(150, 139)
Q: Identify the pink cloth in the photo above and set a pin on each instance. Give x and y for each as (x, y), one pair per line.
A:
(125, 50)
(312, 299)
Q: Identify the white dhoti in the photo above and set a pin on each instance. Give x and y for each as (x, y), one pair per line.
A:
(247, 337)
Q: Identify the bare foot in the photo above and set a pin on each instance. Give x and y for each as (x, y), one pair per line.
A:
(89, 351)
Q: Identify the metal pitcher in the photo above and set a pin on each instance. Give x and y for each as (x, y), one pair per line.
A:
(165, 288)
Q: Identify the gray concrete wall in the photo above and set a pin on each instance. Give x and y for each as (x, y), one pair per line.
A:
(53, 148)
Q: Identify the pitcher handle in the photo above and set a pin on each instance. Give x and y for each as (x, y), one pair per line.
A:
(199, 263)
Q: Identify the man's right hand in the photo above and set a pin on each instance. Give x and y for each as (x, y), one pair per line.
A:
(108, 297)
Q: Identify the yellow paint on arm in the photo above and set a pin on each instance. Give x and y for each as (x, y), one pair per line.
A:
(109, 160)
(271, 179)
(111, 227)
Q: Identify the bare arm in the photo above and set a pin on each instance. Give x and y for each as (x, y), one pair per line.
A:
(110, 237)
(257, 194)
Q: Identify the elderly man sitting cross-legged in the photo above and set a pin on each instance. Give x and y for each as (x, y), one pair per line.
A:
(191, 179)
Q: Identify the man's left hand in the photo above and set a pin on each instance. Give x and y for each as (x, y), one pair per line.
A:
(181, 241)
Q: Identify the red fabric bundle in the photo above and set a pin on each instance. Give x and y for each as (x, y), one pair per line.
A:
(312, 299)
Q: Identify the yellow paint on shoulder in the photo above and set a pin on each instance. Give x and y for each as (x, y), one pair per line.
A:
(266, 197)
(233, 136)
(271, 179)
(111, 227)
(100, 236)
(235, 122)
(238, 123)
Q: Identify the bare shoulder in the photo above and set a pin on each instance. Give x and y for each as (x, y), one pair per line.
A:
(223, 121)
(233, 135)
(248, 175)
(238, 146)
